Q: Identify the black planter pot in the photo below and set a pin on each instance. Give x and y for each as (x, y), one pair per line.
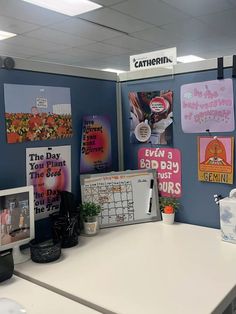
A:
(6, 265)
(45, 252)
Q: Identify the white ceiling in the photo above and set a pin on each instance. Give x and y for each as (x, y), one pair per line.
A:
(106, 37)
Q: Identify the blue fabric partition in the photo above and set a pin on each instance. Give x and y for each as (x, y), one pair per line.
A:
(88, 97)
(197, 202)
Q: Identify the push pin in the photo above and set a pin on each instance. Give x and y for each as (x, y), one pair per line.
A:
(208, 131)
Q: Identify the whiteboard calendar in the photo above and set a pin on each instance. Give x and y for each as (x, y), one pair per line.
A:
(124, 196)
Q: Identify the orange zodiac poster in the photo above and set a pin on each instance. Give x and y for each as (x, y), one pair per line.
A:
(215, 159)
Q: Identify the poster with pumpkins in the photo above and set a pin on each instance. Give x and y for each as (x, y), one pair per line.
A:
(37, 112)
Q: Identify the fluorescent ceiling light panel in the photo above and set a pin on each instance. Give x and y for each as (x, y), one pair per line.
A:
(189, 58)
(5, 35)
(113, 70)
(68, 7)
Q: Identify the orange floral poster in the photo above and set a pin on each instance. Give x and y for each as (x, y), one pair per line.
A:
(215, 159)
(37, 112)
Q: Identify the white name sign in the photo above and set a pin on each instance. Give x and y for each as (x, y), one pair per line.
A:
(154, 59)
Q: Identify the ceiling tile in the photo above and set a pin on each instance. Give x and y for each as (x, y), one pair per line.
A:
(232, 2)
(107, 3)
(223, 23)
(192, 48)
(15, 26)
(226, 51)
(117, 62)
(106, 49)
(29, 13)
(58, 37)
(200, 7)
(158, 36)
(203, 27)
(27, 42)
(82, 53)
(132, 43)
(85, 29)
(115, 20)
(190, 29)
(16, 51)
(56, 58)
(152, 11)
(204, 44)
(13, 54)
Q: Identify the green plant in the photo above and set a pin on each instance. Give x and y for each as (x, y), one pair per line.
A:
(168, 202)
(90, 209)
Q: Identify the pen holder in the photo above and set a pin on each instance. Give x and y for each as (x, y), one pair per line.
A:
(6, 265)
(65, 224)
(65, 229)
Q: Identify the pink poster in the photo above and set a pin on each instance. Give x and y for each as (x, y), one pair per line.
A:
(167, 162)
(207, 105)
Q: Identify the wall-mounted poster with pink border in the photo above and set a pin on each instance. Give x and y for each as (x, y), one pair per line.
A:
(215, 159)
(167, 162)
(207, 105)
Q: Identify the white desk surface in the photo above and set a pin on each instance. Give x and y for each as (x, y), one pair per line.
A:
(145, 268)
(37, 300)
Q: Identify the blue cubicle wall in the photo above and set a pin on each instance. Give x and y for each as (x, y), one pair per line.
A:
(88, 96)
(198, 206)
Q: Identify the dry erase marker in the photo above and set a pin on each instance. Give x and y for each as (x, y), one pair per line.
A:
(150, 197)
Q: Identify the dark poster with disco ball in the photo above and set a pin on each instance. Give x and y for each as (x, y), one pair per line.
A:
(95, 145)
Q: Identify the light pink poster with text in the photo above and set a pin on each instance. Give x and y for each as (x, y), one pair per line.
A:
(207, 106)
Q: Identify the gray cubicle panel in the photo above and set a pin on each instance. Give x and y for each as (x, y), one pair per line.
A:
(88, 97)
(197, 202)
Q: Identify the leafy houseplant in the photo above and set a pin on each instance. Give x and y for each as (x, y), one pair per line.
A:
(89, 212)
(168, 207)
(90, 209)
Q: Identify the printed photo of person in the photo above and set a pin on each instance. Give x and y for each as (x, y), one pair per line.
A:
(8, 221)
(4, 215)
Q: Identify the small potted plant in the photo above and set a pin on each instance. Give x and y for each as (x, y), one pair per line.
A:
(89, 212)
(168, 207)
